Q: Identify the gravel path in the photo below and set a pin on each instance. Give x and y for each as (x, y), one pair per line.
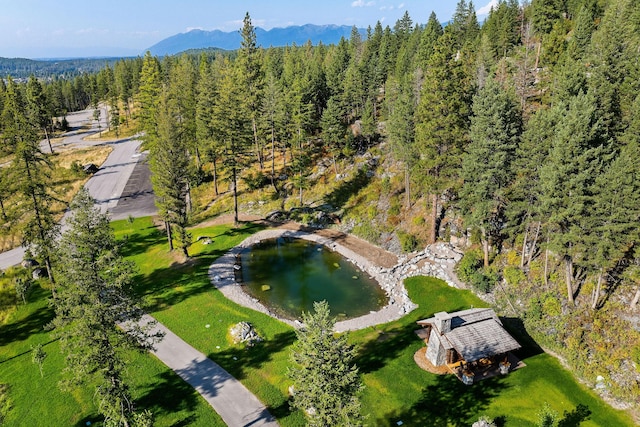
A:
(436, 260)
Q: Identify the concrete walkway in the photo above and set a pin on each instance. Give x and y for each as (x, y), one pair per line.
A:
(231, 400)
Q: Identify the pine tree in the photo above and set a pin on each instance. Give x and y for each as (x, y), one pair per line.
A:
(333, 129)
(252, 78)
(442, 121)
(545, 13)
(169, 163)
(326, 380)
(93, 298)
(579, 151)
(233, 125)
(428, 40)
(486, 165)
(401, 130)
(37, 107)
(148, 94)
(32, 168)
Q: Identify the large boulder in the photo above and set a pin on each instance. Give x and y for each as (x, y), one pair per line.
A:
(244, 332)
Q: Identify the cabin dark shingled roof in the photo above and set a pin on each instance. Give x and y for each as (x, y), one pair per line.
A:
(476, 333)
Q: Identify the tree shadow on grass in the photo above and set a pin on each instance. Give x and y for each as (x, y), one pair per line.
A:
(448, 402)
(139, 242)
(169, 394)
(375, 353)
(23, 328)
(238, 361)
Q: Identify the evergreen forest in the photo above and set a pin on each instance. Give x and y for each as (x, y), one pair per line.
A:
(516, 139)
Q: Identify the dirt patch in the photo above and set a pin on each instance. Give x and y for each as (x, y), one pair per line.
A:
(421, 360)
(373, 253)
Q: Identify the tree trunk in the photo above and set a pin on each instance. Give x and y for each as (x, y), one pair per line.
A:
(46, 134)
(485, 248)
(407, 187)
(596, 292)
(568, 277)
(524, 247)
(215, 176)
(235, 197)
(4, 213)
(255, 138)
(273, 159)
(635, 300)
(167, 225)
(535, 67)
(546, 264)
(534, 243)
(433, 232)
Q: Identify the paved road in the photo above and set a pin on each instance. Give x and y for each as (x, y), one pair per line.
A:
(231, 400)
(122, 187)
(107, 185)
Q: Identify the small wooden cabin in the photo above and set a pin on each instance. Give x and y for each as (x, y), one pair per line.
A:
(469, 342)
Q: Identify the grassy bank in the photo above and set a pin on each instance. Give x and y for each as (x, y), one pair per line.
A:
(180, 295)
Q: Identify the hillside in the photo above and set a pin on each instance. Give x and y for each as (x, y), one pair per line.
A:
(200, 39)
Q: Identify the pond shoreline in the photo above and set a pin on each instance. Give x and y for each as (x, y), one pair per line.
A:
(390, 279)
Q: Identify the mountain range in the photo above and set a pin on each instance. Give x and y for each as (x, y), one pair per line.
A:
(200, 39)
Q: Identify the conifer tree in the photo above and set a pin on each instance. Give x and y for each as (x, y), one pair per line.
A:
(233, 125)
(326, 381)
(169, 163)
(148, 95)
(442, 121)
(93, 298)
(401, 129)
(37, 107)
(252, 78)
(30, 169)
(486, 165)
(578, 153)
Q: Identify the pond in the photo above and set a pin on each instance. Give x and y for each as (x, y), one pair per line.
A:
(288, 275)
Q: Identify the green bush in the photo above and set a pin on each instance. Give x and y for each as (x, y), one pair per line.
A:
(367, 232)
(470, 263)
(484, 280)
(513, 275)
(408, 242)
(394, 209)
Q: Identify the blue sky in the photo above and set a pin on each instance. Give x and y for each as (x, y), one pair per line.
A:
(69, 28)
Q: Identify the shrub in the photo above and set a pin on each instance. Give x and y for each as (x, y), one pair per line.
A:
(484, 280)
(513, 275)
(418, 221)
(469, 265)
(367, 232)
(408, 242)
(394, 209)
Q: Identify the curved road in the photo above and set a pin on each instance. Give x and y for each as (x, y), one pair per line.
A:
(122, 188)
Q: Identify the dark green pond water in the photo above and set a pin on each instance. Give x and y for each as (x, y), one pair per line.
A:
(287, 275)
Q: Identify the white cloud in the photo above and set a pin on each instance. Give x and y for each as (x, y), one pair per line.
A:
(387, 8)
(193, 28)
(362, 3)
(401, 5)
(484, 10)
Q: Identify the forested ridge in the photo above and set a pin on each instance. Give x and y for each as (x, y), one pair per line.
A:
(517, 140)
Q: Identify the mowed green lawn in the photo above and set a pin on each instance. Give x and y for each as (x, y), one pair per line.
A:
(181, 296)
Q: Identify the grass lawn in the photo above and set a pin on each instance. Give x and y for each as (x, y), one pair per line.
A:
(396, 389)
(181, 296)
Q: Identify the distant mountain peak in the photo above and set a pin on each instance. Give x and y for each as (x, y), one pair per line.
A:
(299, 34)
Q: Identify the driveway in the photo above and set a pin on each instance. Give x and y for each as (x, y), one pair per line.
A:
(112, 180)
